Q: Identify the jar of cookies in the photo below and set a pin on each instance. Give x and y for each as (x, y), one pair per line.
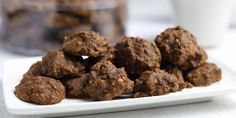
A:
(33, 27)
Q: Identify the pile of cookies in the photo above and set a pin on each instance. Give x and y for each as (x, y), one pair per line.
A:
(89, 68)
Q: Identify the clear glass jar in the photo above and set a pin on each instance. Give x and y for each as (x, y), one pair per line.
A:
(33, 27)
(0, 24)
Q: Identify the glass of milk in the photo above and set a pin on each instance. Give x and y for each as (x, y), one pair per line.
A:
(208, 20)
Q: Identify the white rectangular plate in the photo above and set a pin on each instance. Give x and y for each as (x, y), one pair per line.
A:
(14, 69)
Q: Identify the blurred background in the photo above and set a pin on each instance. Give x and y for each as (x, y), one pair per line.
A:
(32, 27)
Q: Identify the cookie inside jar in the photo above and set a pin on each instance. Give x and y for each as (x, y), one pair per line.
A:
(32, 27)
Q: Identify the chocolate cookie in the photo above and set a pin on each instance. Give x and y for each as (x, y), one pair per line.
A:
(206, 74)
(137, 55)
(35, 70)
(171, 69)
(75, 87)
(156, 82)
(86, 43)
(180, 48)
(109, 56)
(106, 81)
(58, 65)
(40, 90)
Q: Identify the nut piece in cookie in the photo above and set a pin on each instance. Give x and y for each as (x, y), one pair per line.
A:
(58, 65)
(179, 47)
(75, 87)
(86, 43)
(40, 90)
(204, 75)
(137, 55)
(106, 81)
(156, 82)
